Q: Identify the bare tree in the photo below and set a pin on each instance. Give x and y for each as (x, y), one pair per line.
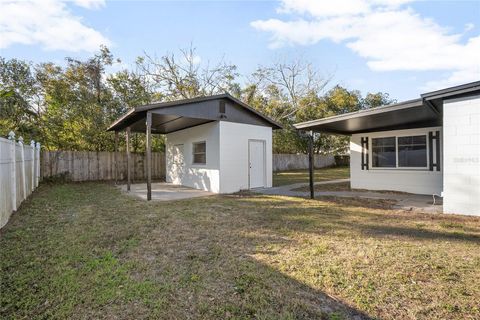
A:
(186, 76)
(290, 81)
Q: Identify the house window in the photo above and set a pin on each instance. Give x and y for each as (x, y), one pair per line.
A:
(384, 152)
(200, 152)
(412, 151)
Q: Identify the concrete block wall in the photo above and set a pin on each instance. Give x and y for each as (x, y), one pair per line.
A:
(461, 183)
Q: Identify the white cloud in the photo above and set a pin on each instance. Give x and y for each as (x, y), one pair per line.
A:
(469, 26)
(90, 4)
(48, 23)
(387, 34)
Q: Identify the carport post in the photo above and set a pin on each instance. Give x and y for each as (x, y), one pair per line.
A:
(127, 140)
(149, 155)
(310, 164)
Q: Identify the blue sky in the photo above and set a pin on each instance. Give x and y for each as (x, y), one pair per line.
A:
(401, 47)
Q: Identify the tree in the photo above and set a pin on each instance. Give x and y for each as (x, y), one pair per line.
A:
(69, 107)
(186, 77)
(284, 85)
(18, 99)
(373, 100)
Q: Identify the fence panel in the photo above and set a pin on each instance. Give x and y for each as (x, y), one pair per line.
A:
(98, 166)
(7, 173)
(18, 174)
(283, 162)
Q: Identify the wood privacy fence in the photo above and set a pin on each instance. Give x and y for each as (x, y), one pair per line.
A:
(19, 174)
(93, 165)
(283, 162)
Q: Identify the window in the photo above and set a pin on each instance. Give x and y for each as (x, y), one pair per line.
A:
(400, 152)
(200, 152)
(412, 151)
(384, 152)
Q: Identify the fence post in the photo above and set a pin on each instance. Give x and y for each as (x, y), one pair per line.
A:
(37, 151)
(22, 169)
(34, 174)
(11, 137)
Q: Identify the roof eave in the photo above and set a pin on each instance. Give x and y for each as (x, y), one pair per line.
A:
(275, 125)
(121, 119)
(361, 113)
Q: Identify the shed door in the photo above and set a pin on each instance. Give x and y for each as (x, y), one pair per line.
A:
(256, 157)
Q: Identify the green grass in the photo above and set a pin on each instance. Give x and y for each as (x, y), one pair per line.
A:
(81, 251)
(297, 176)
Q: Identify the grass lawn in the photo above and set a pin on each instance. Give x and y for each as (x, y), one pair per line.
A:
(83, 251)
(296, 176)
(340, 186)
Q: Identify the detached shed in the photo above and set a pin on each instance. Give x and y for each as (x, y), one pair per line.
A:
(216, 143)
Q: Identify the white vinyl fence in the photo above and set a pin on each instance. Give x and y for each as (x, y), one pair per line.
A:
(19, 173)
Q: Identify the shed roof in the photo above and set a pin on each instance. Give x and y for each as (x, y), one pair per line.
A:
(177, 115)
(423, 112)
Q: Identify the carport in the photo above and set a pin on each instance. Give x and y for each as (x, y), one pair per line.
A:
(223, 111)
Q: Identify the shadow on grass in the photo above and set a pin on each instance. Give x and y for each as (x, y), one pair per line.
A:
(87, 251)
(337, 213)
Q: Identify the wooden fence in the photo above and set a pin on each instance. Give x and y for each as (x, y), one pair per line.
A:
(19, 174)
(94, 166)
(283, 162)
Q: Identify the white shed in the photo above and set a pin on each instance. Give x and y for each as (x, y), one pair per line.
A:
(217, 143)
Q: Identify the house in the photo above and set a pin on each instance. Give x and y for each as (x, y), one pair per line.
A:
(216, 143)
(429, 145)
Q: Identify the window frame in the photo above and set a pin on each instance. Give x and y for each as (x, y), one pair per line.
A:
(397, 167)
(426, 151)
(396, 151)
(194, 153)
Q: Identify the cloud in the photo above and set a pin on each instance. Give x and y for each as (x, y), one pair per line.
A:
(469, 26)
(387, 34)
(48, 23)
(90, 4)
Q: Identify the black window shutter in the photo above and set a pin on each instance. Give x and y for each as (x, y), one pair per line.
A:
(434, 136)
(437, 145)
(364, 155)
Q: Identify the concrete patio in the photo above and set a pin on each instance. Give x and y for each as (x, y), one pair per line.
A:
(163, 191)
(404, 201)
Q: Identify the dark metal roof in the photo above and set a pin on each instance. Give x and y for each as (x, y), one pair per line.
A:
(181, 114)
(424, 112)
(472, 87)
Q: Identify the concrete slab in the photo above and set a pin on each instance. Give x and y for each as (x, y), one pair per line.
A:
(404, 201)
(163, 191)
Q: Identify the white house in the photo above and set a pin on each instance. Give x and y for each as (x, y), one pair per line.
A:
(217, 143)
(429, 145)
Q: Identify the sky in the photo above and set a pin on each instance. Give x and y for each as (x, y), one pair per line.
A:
(401, 47)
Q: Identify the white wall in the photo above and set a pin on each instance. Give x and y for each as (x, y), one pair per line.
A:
(461, 121)
(226, 169)
(234, 154)
(420, 181)
(204, 177)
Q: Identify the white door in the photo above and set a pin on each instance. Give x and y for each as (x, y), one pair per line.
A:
(256, 159)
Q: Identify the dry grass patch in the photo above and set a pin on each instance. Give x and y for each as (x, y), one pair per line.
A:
(340, 186)
(298, 176)
(87, 251)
